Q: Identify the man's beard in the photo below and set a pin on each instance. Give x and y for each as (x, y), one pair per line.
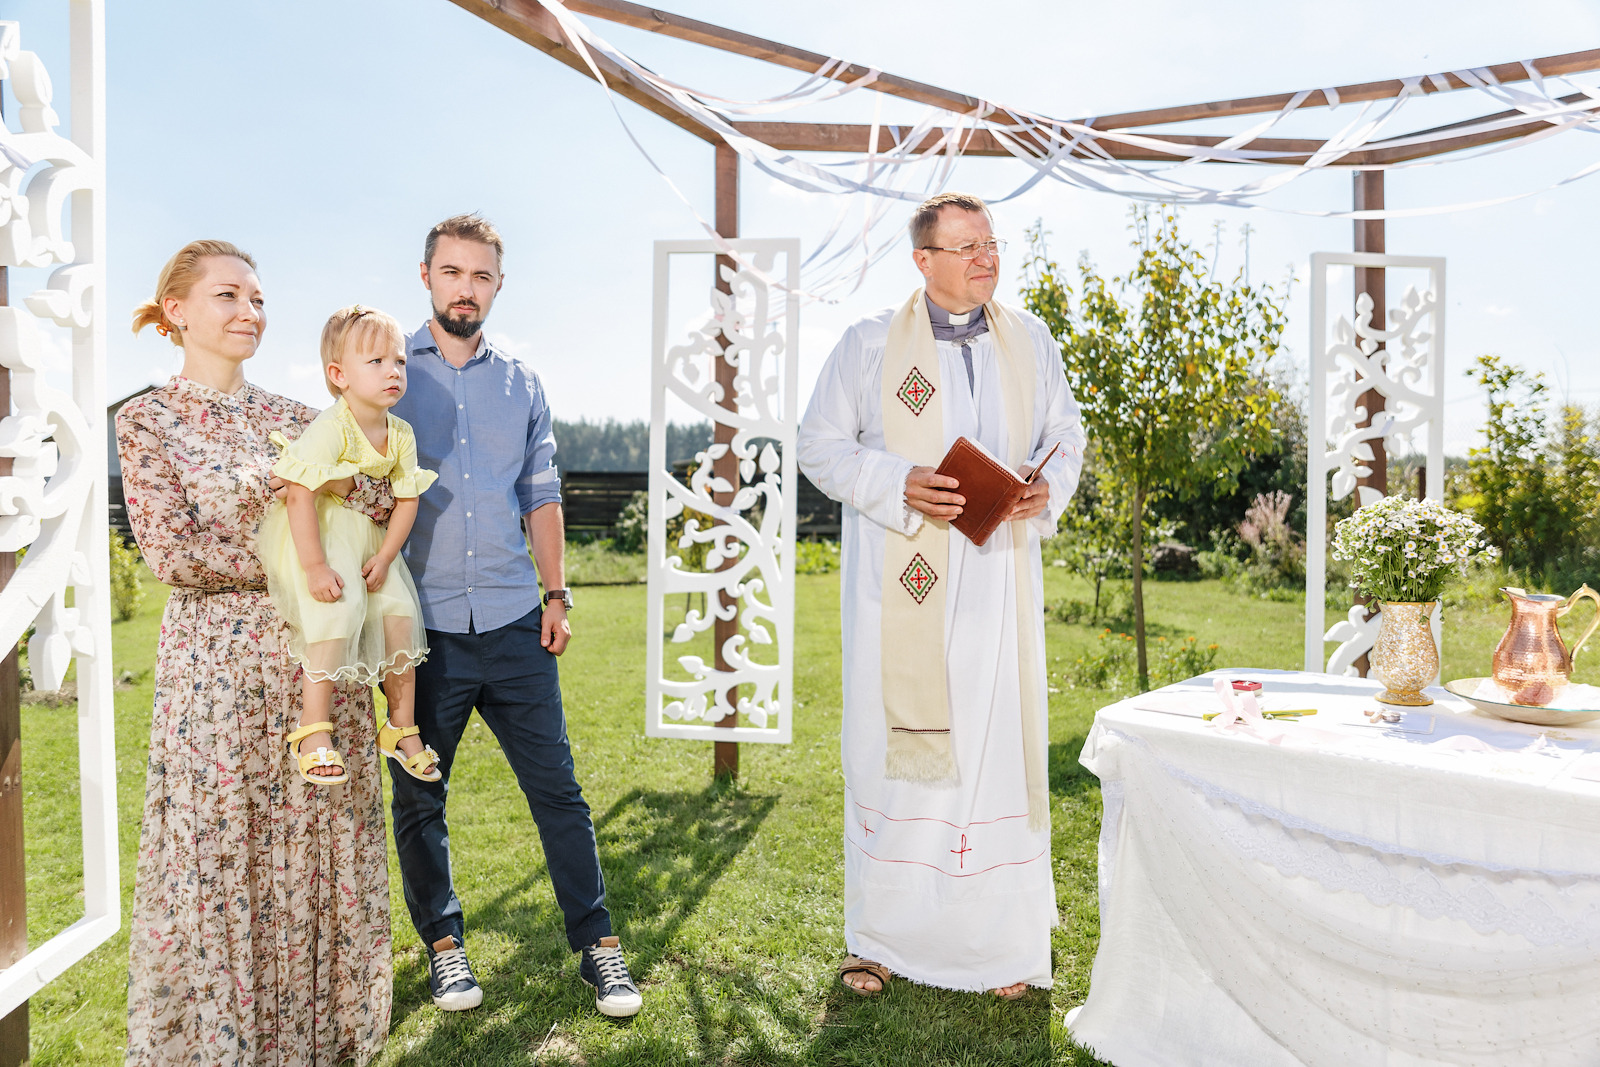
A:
(463, 328)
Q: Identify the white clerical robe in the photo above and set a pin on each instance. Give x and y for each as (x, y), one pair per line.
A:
(944, 882)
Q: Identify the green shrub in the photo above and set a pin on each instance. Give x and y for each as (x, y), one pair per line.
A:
(1532, 482)
(816, 557)
(632, 531)
(1111, 666)
(127, 591)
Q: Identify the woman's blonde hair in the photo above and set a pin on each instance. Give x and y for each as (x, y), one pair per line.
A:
(178, 278)
(352, 326)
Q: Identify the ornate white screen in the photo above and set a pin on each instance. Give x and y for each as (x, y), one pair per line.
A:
(1345, 363)
(685, 693)
(54, 502)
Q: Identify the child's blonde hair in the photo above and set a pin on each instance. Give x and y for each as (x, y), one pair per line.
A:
(352, 326)
(178, 278)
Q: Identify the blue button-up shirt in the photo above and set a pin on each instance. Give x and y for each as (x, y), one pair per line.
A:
(485, 427)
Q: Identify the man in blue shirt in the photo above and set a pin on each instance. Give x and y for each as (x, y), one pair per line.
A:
(482, 422)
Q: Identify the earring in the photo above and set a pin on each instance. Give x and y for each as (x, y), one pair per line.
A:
(180, 325)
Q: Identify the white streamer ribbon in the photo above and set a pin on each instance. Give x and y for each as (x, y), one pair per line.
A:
(1073, 153)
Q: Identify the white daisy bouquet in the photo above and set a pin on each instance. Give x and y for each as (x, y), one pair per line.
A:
(1404, 551)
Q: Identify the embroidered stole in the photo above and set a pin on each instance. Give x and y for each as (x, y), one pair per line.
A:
(916, 692)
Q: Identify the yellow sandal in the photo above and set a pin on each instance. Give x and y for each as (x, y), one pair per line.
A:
(389, 738)
(322, 757)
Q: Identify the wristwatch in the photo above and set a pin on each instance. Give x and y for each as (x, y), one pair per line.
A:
(563, 595)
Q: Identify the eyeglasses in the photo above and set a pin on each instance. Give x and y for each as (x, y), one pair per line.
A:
(994, 247)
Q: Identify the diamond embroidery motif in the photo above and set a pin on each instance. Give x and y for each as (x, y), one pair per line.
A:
(918, 578)
(915, 391)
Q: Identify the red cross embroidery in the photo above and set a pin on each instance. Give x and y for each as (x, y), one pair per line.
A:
(867, 829)
(961, 853)
(915, 391)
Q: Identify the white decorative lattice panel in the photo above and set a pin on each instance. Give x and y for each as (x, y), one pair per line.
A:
(1347, 361)
(52, 217)
(692, 538)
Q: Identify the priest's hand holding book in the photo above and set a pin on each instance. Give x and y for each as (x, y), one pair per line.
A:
(1001, 496)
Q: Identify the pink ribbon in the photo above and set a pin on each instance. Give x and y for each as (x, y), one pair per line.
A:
(1243, 713)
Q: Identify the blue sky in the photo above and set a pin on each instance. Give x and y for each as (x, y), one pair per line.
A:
(327, 137)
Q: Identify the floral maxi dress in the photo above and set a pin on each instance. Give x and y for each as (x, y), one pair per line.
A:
(260, 929)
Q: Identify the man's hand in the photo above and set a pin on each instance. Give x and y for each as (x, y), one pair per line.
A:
(376, 572)
(554, 633)
(325, 583)
(1035, 499)
(930, 493)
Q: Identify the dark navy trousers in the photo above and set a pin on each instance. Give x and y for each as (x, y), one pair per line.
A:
(512, 681)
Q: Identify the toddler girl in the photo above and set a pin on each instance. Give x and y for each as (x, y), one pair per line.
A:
(336, 577)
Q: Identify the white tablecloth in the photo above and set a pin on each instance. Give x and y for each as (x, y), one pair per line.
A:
(1327, 892)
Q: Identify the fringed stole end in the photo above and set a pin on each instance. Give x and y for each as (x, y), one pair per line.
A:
(922, 765)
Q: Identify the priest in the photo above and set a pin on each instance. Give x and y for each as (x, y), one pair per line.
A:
(946, 816)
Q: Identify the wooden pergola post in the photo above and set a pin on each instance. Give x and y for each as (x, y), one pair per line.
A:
(1370, 237)
(13, 884)
(725, 758)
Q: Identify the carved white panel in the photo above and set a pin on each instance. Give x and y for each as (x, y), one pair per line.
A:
(52, 215)
(1346, 361)
(686, 696)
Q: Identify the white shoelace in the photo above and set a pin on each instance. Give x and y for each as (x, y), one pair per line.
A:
(608, 961)
(450, 967)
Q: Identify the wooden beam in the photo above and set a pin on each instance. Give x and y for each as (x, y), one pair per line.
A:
(1381, 152)
(1549, 66)
(744, 44)
(528, 21)
(1291, 151)
(843, 137)
(719, 37)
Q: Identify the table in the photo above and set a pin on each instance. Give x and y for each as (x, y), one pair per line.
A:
(1331, 892)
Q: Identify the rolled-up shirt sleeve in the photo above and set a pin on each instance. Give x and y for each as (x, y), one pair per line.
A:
(540, 483)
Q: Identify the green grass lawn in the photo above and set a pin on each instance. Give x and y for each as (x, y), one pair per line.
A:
(728, 902)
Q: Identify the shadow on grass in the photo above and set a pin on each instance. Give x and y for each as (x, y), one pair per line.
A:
(661, 853)
(912, 1024)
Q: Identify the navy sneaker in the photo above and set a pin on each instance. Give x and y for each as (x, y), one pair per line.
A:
(614, 992)
(450, 976)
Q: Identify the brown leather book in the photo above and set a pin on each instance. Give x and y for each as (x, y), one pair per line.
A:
(989, 486)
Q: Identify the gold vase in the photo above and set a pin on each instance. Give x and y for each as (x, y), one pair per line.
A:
(1405, 657)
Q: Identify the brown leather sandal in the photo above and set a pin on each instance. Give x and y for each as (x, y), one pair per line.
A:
(857, 965)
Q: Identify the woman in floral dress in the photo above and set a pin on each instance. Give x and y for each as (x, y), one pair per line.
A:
(260, 930)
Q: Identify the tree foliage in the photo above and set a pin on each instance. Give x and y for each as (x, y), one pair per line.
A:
(1174, 380)
(623, 446)
(1530, 484)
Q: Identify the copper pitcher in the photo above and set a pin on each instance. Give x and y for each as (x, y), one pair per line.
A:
(1531, 662)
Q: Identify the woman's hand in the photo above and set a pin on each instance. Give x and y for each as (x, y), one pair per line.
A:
(325, 583)
(376, 572)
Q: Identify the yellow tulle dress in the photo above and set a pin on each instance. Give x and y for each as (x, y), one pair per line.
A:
(362, 636)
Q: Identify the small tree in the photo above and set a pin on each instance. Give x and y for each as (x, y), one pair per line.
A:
(1174, 385)
(1530, 485)
(1093, 535)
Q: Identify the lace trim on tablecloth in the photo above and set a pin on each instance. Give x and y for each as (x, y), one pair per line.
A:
(1546, 907)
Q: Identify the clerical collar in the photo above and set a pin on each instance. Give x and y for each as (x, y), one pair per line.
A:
(951, 327)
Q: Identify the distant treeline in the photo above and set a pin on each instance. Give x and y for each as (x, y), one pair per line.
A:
(623, 446)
